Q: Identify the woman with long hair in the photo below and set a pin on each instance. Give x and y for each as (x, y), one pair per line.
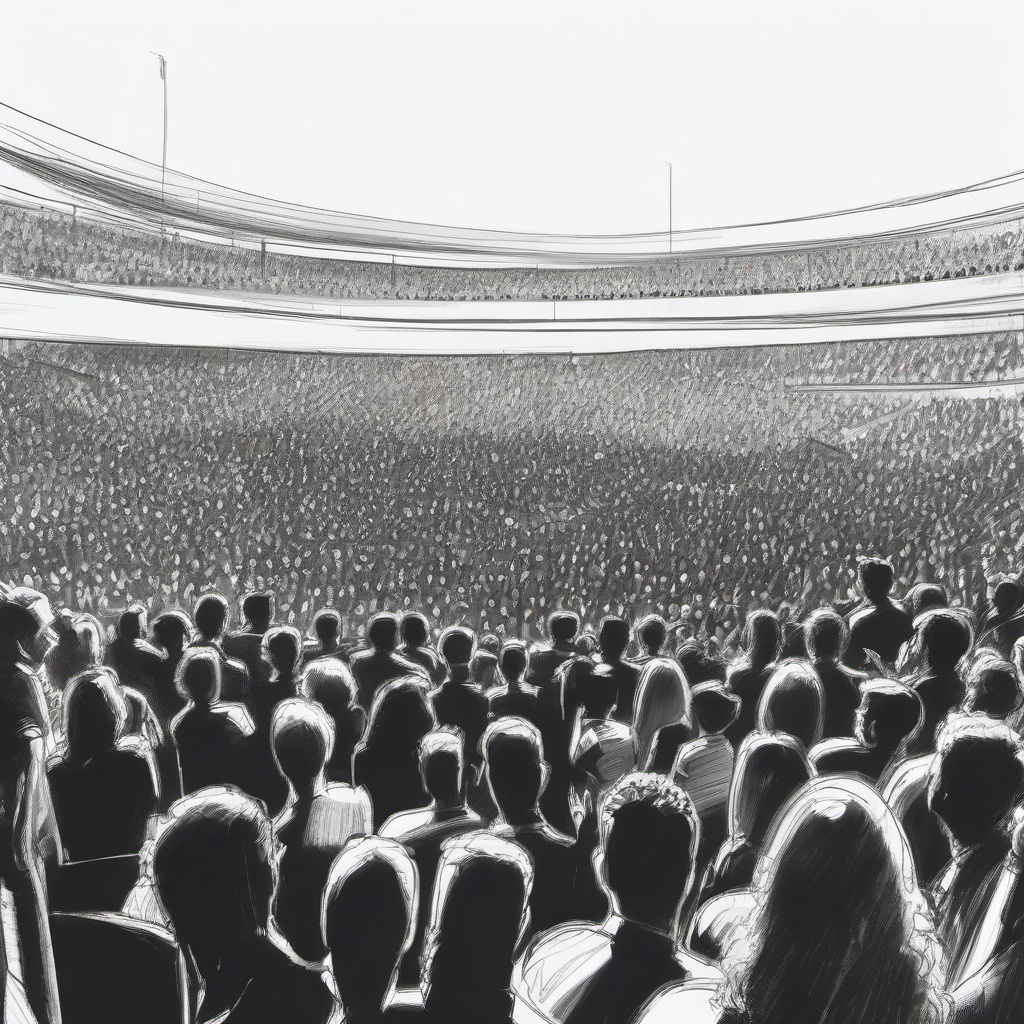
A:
(748, 676)
(662, 699)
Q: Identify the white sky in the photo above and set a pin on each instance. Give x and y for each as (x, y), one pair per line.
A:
(541, 116)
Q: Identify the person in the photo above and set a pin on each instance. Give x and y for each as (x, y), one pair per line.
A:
(880, 624)
(604, 973)
(327, 630)
(974, 785)
(67, 658)
(210, 615)
(601, 750)
(387, 762)
(514, 696)
(484, 666)
(458, 702)
(369, 920)
(769, 769)
(415, 645)
(136, 661)
(793, 702)
(546, 659)
(212, 737)
(247, 644)
(317, 822)
(651, 634)
(329, 682)
(662, 699)
(703, 767)
(748, 676)
(213, 866)
(26, 637)
(613, 639)
(807, 948)
(173, 632)
(104, 785)
(944, 637)
(424, 830)
(993, 689)
(380, 662)
(516, 775)
(1005, 625)
(826, 638)
(478, 911)
(889, 712)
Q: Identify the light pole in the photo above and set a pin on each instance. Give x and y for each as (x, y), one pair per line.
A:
(669, 206)
(163, 162)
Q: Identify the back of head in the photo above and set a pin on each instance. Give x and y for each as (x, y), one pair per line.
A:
(923, 597)
(368, 920)
(889, 713)
(441, 766)
(793, 702)
(26, 624)
(876, 578)
(613, 637)
(649, 835)
(651, 632)
(513, 659)
(327, 625)
(382, 631)
(769, 769)
(90, 638)
(514, 763)
(563, 626)
(401, 715)
(825, 635)
(172, 630)
(715, 707)
(329, 682)
(489, 642)
(282, 647)
(64, 625)
(95, 714)
(456, 646)
(762, 637)
(662, 698)
(477, 914)
(213, 869)
(839, 926)
(977, 778)
(302, 739)
(211, 612)
(994, 688)
(198, 676)
(415, 629)
(131, 624)
(945, 637)
(1007, 597)
(258, 609)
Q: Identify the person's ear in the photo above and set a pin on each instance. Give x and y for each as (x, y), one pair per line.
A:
(545, 775)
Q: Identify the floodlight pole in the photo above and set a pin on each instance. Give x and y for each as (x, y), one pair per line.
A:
(670, 207)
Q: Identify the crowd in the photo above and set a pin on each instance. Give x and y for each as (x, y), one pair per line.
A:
(820, 821)
(58, 245)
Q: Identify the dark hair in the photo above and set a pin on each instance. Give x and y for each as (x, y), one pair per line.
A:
(415, 629)
(210, 614)
(922, 597)
(994, 688)
(825, 635)
(172, 624)
(283, 647)
(513, 757)
(1007, 597)
(326, 624)
(457, 643)
(563, 626)
(762, 637)
(382, 631)
(894, 710)
(946, 637)
(652, 632)
(513, 659)
(198, 676)
(715, 706)
(793, 701)
(613, 637)
(876, 577)
(302, 738)
(258, 606)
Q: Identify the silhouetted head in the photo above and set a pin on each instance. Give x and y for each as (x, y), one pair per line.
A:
(613, 637)
(282, 648)
(211, 613)
(64, 625)
(586, 644)
(662, 698)
(513, 660)
(514, 766)
(327, 626)
(489, 642)
(198, 676)
(793, 701)
(649, 836)
(369, 921)
(876, 578)
(302, 739)
(457, 645)
(131, 623)
(172, 631)
(770, 767)
(382, 631)
(258, 609)
(401, 715)
(478, 912)
(923, 597)
(762, 637)
(945, 636)
(90, 638)
(839, 927)
(415, 629)
(563, 626)
(715, 707)
(441, 765)
(889, 712)
(213, 865)
(976, 779)
(1006, 598)
(95, 714)
(651, 633)
(826, 635)
(598, 692)
(993, 688)
(26, 626)
(329, 682)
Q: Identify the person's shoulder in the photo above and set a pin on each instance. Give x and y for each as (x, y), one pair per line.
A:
(691, 1001)
(575, 940)
(834, 751)
(401, 825)
(236, 716)
(556, 837)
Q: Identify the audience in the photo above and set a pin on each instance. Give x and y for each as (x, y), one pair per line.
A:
(329, 682)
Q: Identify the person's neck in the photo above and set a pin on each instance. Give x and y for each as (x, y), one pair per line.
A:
(565, 646)
(329, 645)
(452, 803)
(517, 819)
(612, 659)
(458, 674)
(308, 791)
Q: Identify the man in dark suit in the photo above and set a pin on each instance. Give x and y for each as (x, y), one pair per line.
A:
(879, 624)
(380, 662)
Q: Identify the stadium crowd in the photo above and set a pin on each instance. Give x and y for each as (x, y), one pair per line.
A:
(50, 244)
